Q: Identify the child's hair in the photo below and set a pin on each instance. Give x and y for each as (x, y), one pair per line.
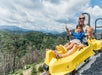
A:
(79, 26)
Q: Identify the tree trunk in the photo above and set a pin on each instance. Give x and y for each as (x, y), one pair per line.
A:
(4, 71)
(14, 58)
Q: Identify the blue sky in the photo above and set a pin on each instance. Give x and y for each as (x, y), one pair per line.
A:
(96, 2)
(47, 15)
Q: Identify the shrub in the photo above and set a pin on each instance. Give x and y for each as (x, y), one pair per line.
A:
(27, 67)
(40, 69)
(33, 72)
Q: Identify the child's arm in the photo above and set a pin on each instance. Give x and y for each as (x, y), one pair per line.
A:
(68, 31)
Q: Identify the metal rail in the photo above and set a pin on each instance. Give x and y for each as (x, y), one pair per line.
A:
(88, 18)
(96, 24)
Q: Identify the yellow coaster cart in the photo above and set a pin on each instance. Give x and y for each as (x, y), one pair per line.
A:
(67, 65)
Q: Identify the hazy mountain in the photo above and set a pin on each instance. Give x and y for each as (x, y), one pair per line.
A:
(13, 29)
(18, 29)
(99, 31)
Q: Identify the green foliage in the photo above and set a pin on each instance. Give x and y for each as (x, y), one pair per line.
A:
(40, 68)
(18, 72)
(27, 67)
(33, 72)
(18, 45)
(40, 40)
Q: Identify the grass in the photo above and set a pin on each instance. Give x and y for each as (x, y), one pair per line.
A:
(31, 69)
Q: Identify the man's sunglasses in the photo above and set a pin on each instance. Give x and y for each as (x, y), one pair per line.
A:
(81, 18)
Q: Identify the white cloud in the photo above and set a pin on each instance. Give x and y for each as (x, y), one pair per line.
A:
(41, 14)
(95, 12)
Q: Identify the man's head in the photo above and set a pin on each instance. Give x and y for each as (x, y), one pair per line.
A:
(81, 19)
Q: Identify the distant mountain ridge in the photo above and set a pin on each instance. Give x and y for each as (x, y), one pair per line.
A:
(18, 29)
(98, 31)
(12, 28)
